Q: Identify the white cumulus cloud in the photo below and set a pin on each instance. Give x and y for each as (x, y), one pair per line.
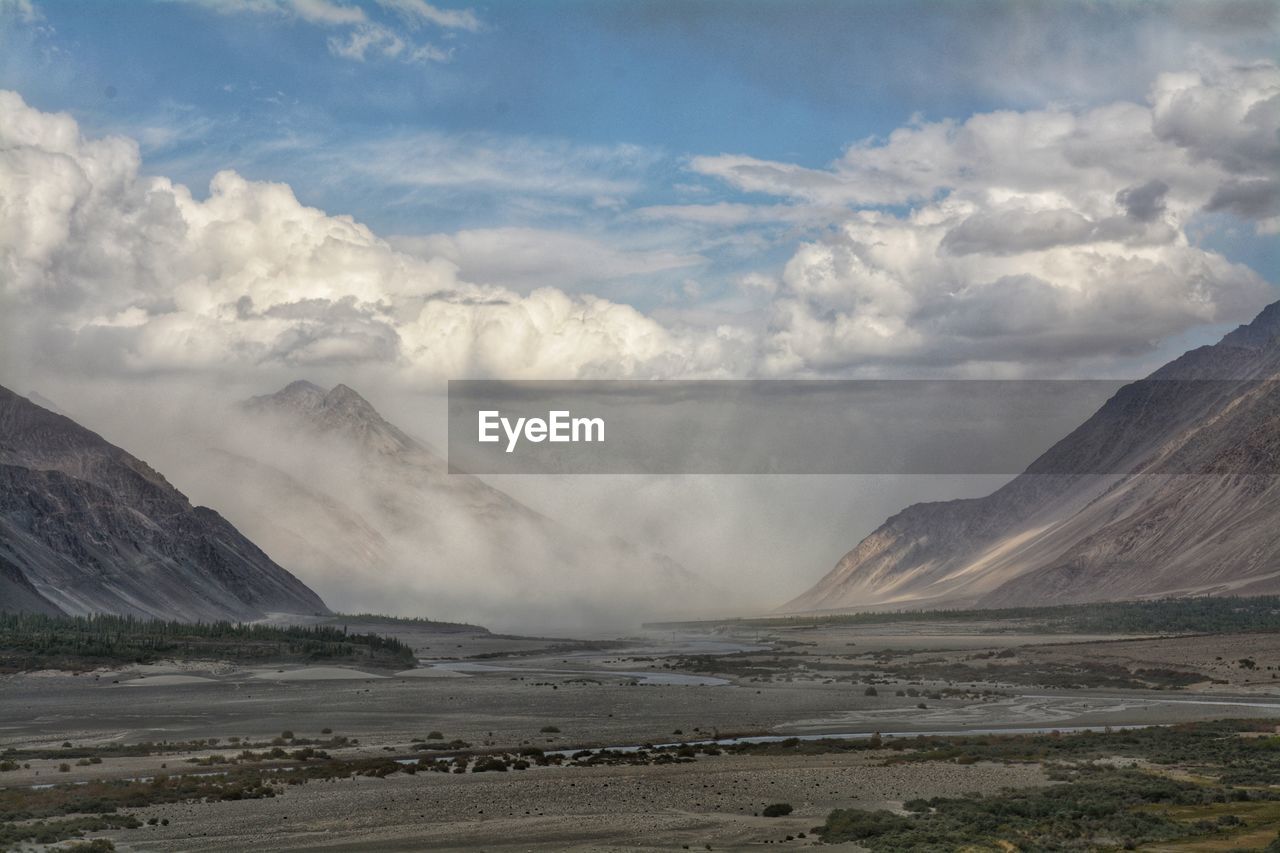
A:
(111, 270)
(1029, 240)
(1027, 236)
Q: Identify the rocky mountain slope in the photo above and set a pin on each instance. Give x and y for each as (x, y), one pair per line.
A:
(1171, 488)
(85, 527)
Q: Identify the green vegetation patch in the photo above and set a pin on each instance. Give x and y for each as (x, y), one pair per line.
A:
(1094, 808)
(53, 831)
(35, 641)
(1226, 750)
(1205, 615)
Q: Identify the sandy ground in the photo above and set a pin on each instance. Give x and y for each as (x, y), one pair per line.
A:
(595, 697)
(508, 708)
(710, 801)
(1219, 657)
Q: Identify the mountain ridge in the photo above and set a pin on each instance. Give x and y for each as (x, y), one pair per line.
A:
(1133, 523)
(87, 527)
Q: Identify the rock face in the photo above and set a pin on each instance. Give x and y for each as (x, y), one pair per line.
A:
(85, 527)
(1170, 489)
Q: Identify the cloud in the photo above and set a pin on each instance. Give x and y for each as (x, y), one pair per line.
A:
(326, 12)
(1013, 231)
(377, 40)
(1197, 130)
(1228, 117)
(526, 258)
(321, 12)
(1033, 241)
(362, 39)
(1258, 198)
(1018, 227)
(419, 12)
(23, 10)
(757, 283)
(1027, 236)
(948, 285)
(1145, 202)
(729, 214)
(478, 162)
(109, 271)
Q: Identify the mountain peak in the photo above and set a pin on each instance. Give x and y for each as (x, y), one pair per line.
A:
(1260, 332)
(340, 410)
(346, 397)
(299, 387)
(298, 397)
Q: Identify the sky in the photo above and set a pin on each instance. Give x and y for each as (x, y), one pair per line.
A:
(531, 189)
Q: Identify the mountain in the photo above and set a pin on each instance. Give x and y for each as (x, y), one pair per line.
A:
(85, 527)
(1170, 489)
(346, 421)
(371, 517)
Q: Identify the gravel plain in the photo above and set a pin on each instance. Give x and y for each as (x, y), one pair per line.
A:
(562, 695)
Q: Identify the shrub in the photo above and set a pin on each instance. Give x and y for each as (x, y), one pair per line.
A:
(854, 824)
(550, 730)
(871, 691)
(96, 845)
(777, 810)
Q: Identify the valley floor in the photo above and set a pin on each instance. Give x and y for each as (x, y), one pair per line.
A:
(477, 694)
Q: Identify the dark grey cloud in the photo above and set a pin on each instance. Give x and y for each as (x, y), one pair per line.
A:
(345, 309)
(320, 344)
(1144, 202)
(1009, 232)
(1240, 131)
(1256, 199)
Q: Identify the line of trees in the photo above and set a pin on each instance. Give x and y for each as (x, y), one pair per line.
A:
(32, 638)
(1201, 615)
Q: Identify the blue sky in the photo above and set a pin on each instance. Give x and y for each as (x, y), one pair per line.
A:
(778, 81)
(605, 125)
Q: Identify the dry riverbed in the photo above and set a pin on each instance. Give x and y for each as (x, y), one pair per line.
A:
(714, 800)
(483, 693)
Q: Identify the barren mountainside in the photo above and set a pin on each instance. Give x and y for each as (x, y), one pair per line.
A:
(85, 527)
(1171, 488)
